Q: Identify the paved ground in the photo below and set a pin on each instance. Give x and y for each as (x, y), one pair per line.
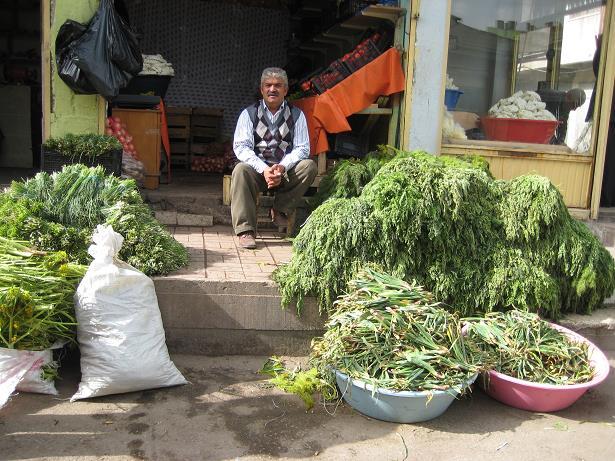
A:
(215, 254)
(228, 412)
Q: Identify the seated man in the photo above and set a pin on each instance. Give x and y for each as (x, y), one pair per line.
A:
(272, 143)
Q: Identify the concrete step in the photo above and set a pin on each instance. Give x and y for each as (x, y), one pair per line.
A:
(233, 318)
(191, 195)
(599, 327)
(174, 218)
(246, 318)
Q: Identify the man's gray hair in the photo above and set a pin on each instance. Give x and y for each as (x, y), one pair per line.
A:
(275, 72)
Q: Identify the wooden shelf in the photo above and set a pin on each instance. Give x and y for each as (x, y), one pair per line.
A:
(385, 12)
(376, 111)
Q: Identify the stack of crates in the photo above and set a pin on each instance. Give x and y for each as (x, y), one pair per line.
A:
(178, 122)
(204, 129)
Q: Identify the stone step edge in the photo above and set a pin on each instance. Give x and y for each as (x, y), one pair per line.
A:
(175, 218)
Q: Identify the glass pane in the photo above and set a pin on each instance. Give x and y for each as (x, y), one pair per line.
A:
(524, 70)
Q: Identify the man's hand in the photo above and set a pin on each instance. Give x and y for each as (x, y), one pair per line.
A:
(273, 175)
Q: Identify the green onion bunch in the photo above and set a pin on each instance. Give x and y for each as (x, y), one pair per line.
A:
(524, 346)
(36, 296)
(393, 335)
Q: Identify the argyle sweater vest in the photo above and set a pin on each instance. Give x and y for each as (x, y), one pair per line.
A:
(273, 140)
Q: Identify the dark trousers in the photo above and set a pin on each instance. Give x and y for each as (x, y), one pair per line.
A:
(246, 183)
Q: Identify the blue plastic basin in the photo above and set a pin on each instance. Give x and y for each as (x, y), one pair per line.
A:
(451, 97)
(396, 407)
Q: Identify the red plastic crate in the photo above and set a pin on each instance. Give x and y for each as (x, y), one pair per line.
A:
(365, 52)
(519, 129)
(334, 74)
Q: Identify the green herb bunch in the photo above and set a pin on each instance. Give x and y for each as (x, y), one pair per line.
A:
(36, 296)
(476, 243)
(349, 176)
(393, 335)
(524, 346)
(388, 333)
(60, 211)
(77, 146)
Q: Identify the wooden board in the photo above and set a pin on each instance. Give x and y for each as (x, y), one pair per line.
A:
(226, 190)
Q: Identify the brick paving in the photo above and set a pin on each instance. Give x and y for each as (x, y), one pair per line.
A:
(215, 254)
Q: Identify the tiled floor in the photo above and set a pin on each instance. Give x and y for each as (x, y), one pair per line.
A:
(215, 254)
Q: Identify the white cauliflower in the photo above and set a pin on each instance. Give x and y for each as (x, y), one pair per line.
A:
(155, 64)
(450, 128)
(522, 104)
(449, 84)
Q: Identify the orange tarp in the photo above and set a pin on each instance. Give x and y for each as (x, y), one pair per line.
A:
(326, 113)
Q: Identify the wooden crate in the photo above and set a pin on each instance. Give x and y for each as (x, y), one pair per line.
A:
(144, 127)
(178, 122)
(204, 128)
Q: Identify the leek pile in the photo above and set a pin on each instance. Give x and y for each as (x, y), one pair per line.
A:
(477, 244)
(36, 296)
(525, 347)
(393, 335)
(388, 333)
(59, 212)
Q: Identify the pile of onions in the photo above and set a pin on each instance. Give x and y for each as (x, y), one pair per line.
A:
(208, 164)
(116, 128)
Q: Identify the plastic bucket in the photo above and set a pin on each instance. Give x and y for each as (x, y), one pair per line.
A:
(392, 406)
(451, 97)
(530, 396)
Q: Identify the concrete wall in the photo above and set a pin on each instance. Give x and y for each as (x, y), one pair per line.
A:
(71, 113)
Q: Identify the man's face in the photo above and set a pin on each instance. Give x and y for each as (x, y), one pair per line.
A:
(273, 90)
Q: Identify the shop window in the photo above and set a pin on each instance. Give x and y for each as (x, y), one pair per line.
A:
(523, 72)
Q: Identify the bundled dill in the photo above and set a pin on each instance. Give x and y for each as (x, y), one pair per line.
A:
(525, 347)
(349, 176)
(60, 211)
(477, 244)
(79, 146)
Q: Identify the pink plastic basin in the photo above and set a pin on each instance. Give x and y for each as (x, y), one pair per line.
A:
(531, 396)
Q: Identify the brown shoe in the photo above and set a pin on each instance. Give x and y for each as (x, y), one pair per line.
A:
(247, 240)
(279, 218)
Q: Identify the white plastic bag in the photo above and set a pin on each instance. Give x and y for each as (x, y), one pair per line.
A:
(14, 366)
(119, 328)
(33, 380)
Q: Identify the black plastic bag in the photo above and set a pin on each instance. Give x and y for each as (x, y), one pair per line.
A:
(107, 52)
(66, 59)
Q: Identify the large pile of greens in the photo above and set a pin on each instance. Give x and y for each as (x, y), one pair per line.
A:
(61, 210)
(36, 296)
(524, 346)
(388, 333)
(476, 243)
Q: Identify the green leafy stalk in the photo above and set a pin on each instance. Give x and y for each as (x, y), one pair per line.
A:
(36, 296)
(526, 347)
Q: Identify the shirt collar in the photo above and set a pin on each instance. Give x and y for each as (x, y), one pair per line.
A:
(281, 109)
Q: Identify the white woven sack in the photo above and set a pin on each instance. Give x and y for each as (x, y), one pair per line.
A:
(119, 328)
